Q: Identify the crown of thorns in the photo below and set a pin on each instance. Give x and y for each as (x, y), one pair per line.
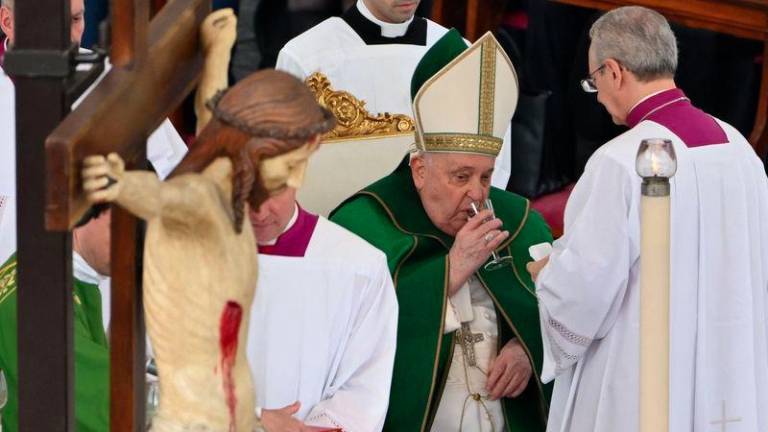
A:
(269, 132)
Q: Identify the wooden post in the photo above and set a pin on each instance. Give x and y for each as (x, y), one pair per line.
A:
(130, 21)
(38, 62)
(127, 350)
(129, 31)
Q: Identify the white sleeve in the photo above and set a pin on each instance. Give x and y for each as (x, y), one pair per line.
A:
(503, 167)
(287, 62)
(7, 226)
(452, 321)
(7, 136)
(358, 396)
(582, 287)
(458, 309)
(165, 149)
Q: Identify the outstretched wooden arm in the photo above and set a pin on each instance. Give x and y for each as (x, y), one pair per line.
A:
(142, 192)
(217, 36)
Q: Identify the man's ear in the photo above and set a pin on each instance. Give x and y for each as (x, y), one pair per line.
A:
(615, 70)
(6, 21)
(418, 171)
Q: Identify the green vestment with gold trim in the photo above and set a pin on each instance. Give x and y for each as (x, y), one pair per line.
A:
(91, 354)
(390, 216)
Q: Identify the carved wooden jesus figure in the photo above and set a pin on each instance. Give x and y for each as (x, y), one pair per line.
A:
(200, 258)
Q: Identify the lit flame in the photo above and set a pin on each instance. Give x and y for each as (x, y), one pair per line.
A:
(655, 164)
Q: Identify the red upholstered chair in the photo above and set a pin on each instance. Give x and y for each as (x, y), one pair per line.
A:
(552, 208)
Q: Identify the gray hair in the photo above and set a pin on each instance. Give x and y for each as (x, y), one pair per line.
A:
(638, 38)
(416, 154)
(7, 3)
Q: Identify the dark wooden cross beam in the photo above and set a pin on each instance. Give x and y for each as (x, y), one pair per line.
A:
(156, 64)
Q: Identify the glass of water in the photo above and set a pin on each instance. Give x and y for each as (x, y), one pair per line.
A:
(152, 391)
(496, 262)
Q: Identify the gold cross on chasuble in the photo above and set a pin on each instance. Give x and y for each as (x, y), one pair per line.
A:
(467, 340)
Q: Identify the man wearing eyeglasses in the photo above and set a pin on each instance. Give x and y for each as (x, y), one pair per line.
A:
(588, 288)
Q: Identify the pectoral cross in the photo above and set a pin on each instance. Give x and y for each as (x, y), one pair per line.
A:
(467, 339)
(724, 420)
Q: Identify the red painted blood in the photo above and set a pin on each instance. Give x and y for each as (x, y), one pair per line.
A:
(229, 328)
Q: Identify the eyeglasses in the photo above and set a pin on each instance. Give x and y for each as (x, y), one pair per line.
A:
(588, 83)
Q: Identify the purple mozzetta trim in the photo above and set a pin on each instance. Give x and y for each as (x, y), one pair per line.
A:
(294, 242)
(674, 111)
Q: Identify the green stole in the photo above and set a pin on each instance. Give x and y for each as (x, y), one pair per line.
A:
(389, 215)
(91, 353)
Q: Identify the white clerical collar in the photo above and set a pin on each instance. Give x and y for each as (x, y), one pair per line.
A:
(84, 272)
(290, 224)
(389, 30)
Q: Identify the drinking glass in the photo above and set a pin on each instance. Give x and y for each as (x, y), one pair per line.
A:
(496, 262)
(152, 391)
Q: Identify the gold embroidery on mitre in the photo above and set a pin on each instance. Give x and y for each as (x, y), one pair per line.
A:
(7, 280)
(352, 119)
(487, 86)
(462, 143)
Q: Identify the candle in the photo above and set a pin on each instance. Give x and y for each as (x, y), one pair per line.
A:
(655, 163)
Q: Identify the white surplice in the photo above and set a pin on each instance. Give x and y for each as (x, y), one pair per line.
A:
(589, 292)
(7, 227)
(379, 74)
(458, 411)
(7, 167)
(323, 329)
(7, 136)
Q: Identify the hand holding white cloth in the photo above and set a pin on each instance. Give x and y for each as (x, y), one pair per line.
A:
(540, 251)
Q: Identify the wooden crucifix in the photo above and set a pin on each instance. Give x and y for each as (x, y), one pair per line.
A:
(155, 65)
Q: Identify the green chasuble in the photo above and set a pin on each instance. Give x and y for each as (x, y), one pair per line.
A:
(389, 215)
(91, 354)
